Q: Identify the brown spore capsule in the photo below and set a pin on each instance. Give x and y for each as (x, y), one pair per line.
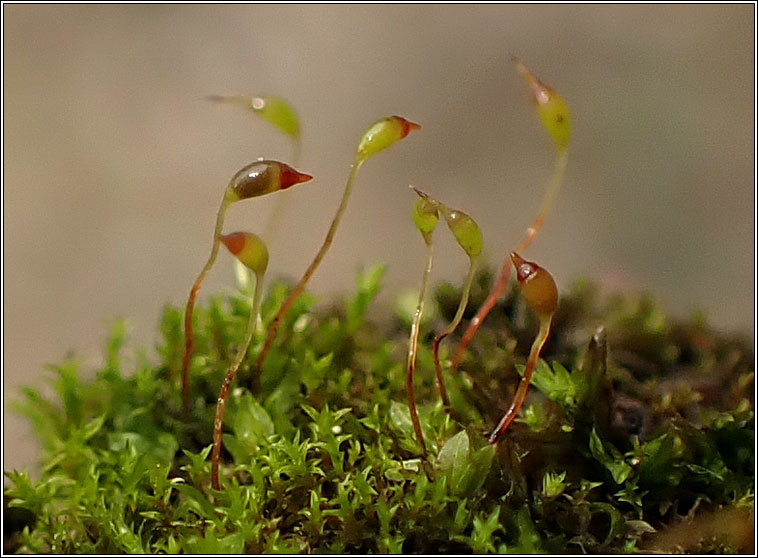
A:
(264, 177)
(537, 285)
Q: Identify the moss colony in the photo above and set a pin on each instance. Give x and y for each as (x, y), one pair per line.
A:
(637, 435)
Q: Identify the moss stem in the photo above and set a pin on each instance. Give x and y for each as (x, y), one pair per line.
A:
(231, 373)
(413, 346)
(300, 287)
(523, 386)
(188, 333)
(450, 329)
(505, 273)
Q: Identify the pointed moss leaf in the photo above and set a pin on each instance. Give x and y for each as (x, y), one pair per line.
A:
(528, 539)
(557, 384)
(454, 454)
(198, 466)
(535, 417)
(93, 427)
(69, 389)
(617, 467)
(28, 495)
(44, 417)
(481, 461)
(402, 425)
(250, 423)
(593, 371)
(465, 469)
(616, 519)
(140, 429)
(194, 500)
(400, 418)
(553, 484)
(314, 369)
(369, 284)
(484, 529)
(655, 461)
(233, 543)
(172, 545)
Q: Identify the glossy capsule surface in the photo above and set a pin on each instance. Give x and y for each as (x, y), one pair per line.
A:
(537, 286)
(264, 177)
(383, 134)
(465, 230)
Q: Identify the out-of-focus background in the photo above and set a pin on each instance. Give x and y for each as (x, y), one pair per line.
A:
(114, 164)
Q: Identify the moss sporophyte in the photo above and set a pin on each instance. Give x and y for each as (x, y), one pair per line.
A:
(638, 437)
(379, 136)
(469, 237)
(256, 179)
(555, 116)
(280, 114)
(249, 249)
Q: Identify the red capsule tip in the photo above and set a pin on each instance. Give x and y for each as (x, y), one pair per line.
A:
(290, 176)
(235, 242)
(524, 269)
(407, 126)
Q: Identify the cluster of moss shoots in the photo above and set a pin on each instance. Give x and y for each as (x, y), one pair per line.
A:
(580, 409)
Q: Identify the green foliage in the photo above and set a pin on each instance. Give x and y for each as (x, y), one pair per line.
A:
(622, 436)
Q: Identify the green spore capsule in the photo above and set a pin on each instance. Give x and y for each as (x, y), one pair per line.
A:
(556, 118)
(465, 230)
(277, 112)
(281, 115)
(551, 108)
(249, 249)
(468, 235)
(383, 134)
(425, 217)
(379, 136)
(274, 110)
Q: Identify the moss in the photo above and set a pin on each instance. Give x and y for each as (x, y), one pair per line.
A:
(630, 432)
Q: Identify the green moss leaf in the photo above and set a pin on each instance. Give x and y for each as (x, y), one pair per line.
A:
(465, 468)
(611, 460)
(369, 284)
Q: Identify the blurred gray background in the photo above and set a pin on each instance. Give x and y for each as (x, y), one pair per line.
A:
(114, 164)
